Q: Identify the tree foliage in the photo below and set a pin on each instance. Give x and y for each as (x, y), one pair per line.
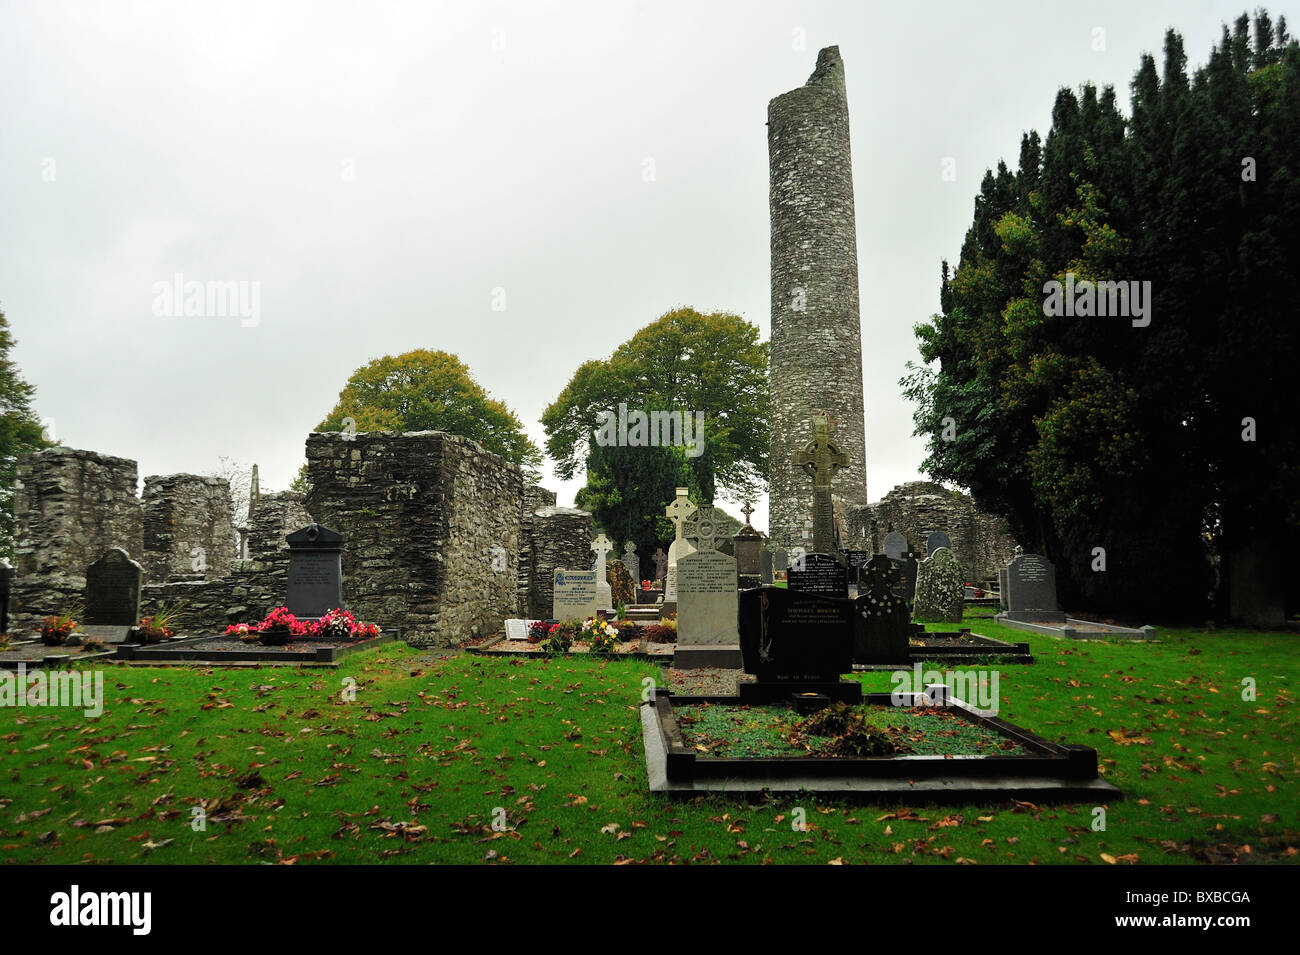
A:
(712, 364)
(425, 390)
(20, 432)
(1088, 432)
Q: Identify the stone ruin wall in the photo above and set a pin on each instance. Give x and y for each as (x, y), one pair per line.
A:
(441, 534)
(70, 506)
(445, 539)
(980, 541)
(562, 539)
(188, 528)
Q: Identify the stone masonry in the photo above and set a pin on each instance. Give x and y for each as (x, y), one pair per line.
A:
(432, 523)
(70, 506)
(980, 541)
(816, 343)
(561, 541)
(188, 530)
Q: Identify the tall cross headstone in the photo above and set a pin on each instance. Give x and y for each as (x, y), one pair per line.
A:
(747, 510)
(661, 563)
(820, 459)
(678, 511)
(602, 545)
(632, 561)
(702, 528)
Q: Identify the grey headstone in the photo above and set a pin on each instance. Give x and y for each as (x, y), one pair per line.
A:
(936, 540)
(113, 589)
(780, 560)
(940, 589)
(894, 545)
(1002, 587)
(706, 599)
(1030, 584)
(765, 567)
(632, 561)
(574, 594)
(315, 578)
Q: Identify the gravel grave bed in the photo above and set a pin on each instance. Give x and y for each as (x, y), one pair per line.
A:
(631, 646)
(222, 642)
(38, 651)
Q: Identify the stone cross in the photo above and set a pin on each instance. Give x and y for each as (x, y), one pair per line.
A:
(680, 509)
(820, 459)
(747, 510)
(661, 563)
(702, 526)
(602, 545)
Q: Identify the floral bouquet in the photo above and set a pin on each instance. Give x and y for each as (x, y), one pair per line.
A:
(600, 634)
(56, 629)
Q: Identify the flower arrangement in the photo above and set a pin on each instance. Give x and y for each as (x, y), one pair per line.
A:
(56, 629)
(340, 624)
(280, 626)
(600, 634)
(649, 585)
(156, 627)
(559, 638)
(538, 630)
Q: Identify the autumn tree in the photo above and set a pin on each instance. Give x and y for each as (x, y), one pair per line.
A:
(425, 390)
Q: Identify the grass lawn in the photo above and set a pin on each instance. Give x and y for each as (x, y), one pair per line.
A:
(415, 768)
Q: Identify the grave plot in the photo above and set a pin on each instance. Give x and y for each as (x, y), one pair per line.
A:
(33, 653)
(931, 748)
(534, 638)
(1030, 595)
(225, 649)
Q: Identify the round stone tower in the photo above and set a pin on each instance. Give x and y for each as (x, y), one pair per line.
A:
(816, 345)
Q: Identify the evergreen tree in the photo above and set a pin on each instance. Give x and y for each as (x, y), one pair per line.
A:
(20, 432)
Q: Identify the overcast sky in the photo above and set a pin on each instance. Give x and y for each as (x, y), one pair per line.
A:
(380, 169)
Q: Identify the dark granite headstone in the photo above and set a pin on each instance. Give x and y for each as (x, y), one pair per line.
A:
(113, 590)
(765, 567)
(1002, 588)
(821, 574)
(780, 560)
(6, 586)
(315, 571)
(935, 541)
(882, 618)
(1031, 583)
(856, 560)
(792, 638)
(894, 545)
(907, 568)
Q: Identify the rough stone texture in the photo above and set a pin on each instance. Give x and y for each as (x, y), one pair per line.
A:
(432, 521)
(980, 542)
(187, 517)
(561, 541)
(940, 589)
(70, 506)
(276, 516)
(816, 351)
(535, 497)
(43, 595)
